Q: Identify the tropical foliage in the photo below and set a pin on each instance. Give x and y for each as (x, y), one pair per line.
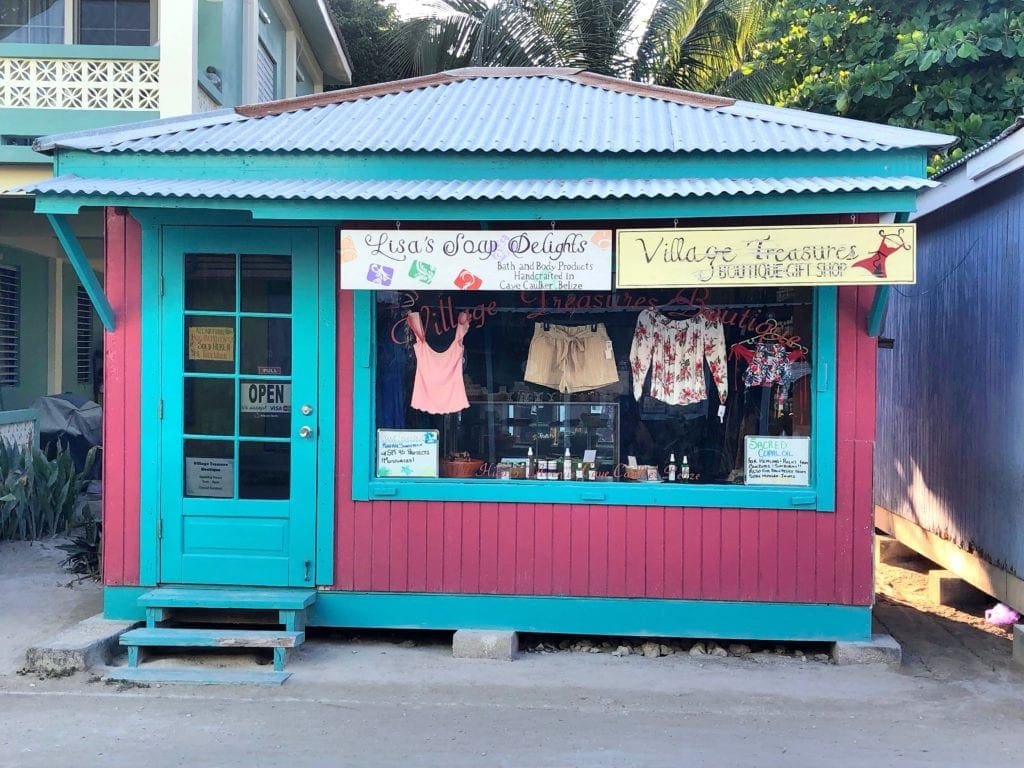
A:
(37, 495)
(702, 45)
(952, 66)
(365, 26)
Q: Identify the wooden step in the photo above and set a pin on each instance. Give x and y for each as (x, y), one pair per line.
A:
(196, 676)
(183, 637)
(256, 598)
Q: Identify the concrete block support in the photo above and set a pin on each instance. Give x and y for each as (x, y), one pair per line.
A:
(88, 643)
(1018, 644)
(495, 644)
(880, 649)
(946, 588)
(889, 550)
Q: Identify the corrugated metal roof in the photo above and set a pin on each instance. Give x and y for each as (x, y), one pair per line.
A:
(1006, 133)
(504, 111)
(505, 189)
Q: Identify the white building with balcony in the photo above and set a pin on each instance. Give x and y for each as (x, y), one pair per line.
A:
(69, 65)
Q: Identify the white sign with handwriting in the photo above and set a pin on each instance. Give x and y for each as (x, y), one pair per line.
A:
(777, 460)
(489, 260)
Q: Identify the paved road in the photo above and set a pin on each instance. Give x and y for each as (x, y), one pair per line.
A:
(957, 701)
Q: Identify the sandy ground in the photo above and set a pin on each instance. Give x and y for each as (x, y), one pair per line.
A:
(38, 598)
(401, 700)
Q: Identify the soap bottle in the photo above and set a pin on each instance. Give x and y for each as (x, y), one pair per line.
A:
(567, 465)
(529, 463)
(684, 471)
(670, 470)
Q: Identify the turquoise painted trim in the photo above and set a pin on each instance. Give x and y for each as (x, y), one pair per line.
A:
(151, 363)
(209, 88)
(80, 262)
(24, 121)
(364, 391)
(121, 603)
(327, 395)
(20, 415)
(594, 616)
(389, 166)
(819, 496)
(877, 312)
(70, 51)
(23, 156)
(502, 210)
(823, 402)
(876, 315)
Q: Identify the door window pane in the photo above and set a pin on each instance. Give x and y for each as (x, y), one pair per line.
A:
(209, 406)
(265, 408)
(209, 344)
(264, 470)
(266, 346)
(210, 468)
(267, 284)
(210, 282)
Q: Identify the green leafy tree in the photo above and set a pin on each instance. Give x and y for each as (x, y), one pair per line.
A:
(703, 45)
(366, 26)
(952, 66)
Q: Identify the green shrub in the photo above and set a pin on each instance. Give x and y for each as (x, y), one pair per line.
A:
(37, 495)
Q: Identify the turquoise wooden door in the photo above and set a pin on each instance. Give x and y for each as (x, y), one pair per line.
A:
(238, 446)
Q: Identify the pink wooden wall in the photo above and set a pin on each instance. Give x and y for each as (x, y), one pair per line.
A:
(121, 401)
(537, 549)
(611, 551)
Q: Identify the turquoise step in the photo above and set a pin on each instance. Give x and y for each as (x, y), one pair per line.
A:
(180, 637)
(197, 676)
(240, 598)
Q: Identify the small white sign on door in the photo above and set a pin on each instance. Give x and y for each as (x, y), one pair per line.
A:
(777, 460)
(210, 478)
(407, 453)
(266, 397)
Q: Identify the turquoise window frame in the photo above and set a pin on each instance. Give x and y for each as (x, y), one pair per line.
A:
(819, 495)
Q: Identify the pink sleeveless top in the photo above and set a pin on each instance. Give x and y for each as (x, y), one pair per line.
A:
(439, 387)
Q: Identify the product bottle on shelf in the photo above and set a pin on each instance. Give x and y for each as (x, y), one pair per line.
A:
(684, 471)
(529, 463)
(670, 470)
(567, 465)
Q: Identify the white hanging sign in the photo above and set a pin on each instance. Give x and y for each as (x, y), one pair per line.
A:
(777, 460)
(407, 453)
(489, 260)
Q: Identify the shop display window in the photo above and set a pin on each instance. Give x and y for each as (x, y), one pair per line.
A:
(698, 386)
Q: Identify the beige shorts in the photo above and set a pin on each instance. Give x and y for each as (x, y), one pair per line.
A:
(571, 358)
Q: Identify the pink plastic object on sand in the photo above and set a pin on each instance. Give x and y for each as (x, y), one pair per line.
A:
(1002, 615)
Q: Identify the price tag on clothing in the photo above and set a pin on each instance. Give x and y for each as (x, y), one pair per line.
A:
(721, 413)
(609, 353)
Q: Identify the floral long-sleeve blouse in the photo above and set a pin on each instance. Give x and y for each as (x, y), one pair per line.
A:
(674, 352)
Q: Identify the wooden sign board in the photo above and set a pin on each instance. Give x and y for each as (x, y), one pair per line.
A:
(859, 254)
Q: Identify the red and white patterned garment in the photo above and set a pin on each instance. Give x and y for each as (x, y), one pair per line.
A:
(674, 352)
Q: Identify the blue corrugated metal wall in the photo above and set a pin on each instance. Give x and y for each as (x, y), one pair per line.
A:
(950, 451)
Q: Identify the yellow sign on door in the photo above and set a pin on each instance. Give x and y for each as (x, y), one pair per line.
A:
(211, 343)
(859, 254)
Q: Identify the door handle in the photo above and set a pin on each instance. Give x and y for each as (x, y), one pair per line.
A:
(306, 432)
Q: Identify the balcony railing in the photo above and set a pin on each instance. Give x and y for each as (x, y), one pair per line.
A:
(43, 82)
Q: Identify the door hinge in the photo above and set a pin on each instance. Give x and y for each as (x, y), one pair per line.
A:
(160, 410)
(160, 528)
(161, 285)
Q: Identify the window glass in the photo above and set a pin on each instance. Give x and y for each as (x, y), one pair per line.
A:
(32, 21)
(114, 22)
(635, 386)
